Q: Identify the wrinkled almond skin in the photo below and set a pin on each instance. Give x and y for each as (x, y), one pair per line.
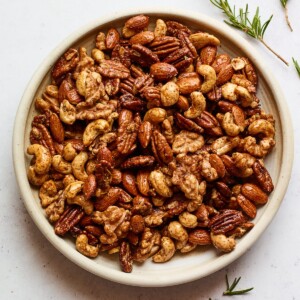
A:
(254, 193)
(142, 38)
(129, 183)
(56, 128)
(208, 54)
(89, 187)
(188, 82)
(163, 71)
(143, 182)
(102, 203)
(217, 163)
(199, 237)
(137, 23)
(112, 38)
(144, 133)
(263, 177)
(247, 206)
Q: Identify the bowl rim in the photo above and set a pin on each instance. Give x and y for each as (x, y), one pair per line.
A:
(137, 279)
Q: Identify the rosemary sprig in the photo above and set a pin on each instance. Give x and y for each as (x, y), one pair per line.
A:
(240, 20)
(284, 4)
(296, 64)
(230, 288)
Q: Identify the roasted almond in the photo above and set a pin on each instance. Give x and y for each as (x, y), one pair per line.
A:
(163, 71)
(254, 193)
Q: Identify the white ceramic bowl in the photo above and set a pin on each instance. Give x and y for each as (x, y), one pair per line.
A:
(203, 261)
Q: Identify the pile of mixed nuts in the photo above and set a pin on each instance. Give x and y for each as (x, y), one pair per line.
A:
(153, 143)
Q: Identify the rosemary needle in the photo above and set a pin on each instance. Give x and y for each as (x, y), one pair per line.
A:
(297, 66)
(230, 288)
(284, 4)
(240, 20)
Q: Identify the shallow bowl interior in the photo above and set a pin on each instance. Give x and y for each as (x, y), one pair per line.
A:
(203, 261)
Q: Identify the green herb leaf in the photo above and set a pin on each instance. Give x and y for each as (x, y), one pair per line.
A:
(254, 28)
(296, 64)
(230, 288)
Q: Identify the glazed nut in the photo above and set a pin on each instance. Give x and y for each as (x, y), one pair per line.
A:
(84, 248)
(238, 63)
(163, 71)
(202, 39)
(78, 166)
(42, 158)
(198, 105)
(159, 182)
(166, 252)
(169, 94)
(188, 220)
(178, 232)
(188, 83)
(160, 28)
(254, 193)
(209, 75)
(93, 129)
(60, 165)
(222, 242)
(155, 115)
(199, 237)
(137, 224)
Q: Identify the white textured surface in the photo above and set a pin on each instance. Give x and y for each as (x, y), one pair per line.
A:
(30, 267)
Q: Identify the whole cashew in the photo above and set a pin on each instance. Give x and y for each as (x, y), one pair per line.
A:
(34, 178)
(160, 184)
(84, 248)
(230, 127)
(67, 112)
(42, 158)
(202, 39)
(198, 105)
(48, 193)
(262, 127)
(225, 144)
(93, 129)
(178, 232)
(222, 242)
(209, 75)
(60, 165)
(166, 252)
(245, 97)
(78, 164)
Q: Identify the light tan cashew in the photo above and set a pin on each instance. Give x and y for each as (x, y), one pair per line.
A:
(245, 97)
(202, 39)
(84, 248)
(78, 166)
(67, 112)
(178, 232)
(34, 178)
(60, 165)
(87, 205)
(48, 193)
(238, 63)
(222, 242)
(228, 91)
(166, 251)
(224, 144)
(230, 127)
(169, 93)
(188, 220)
(42, 158)
(69, 152)
(73, 189)
(209, 75)
(264, 128)
(155, 115)
(244, 162)
(98, 55)
(160, 183)
(198, 105)
(160, 28)
(94, 129)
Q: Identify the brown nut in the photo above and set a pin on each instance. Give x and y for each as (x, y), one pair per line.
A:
(163, 71)
(254, 193)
